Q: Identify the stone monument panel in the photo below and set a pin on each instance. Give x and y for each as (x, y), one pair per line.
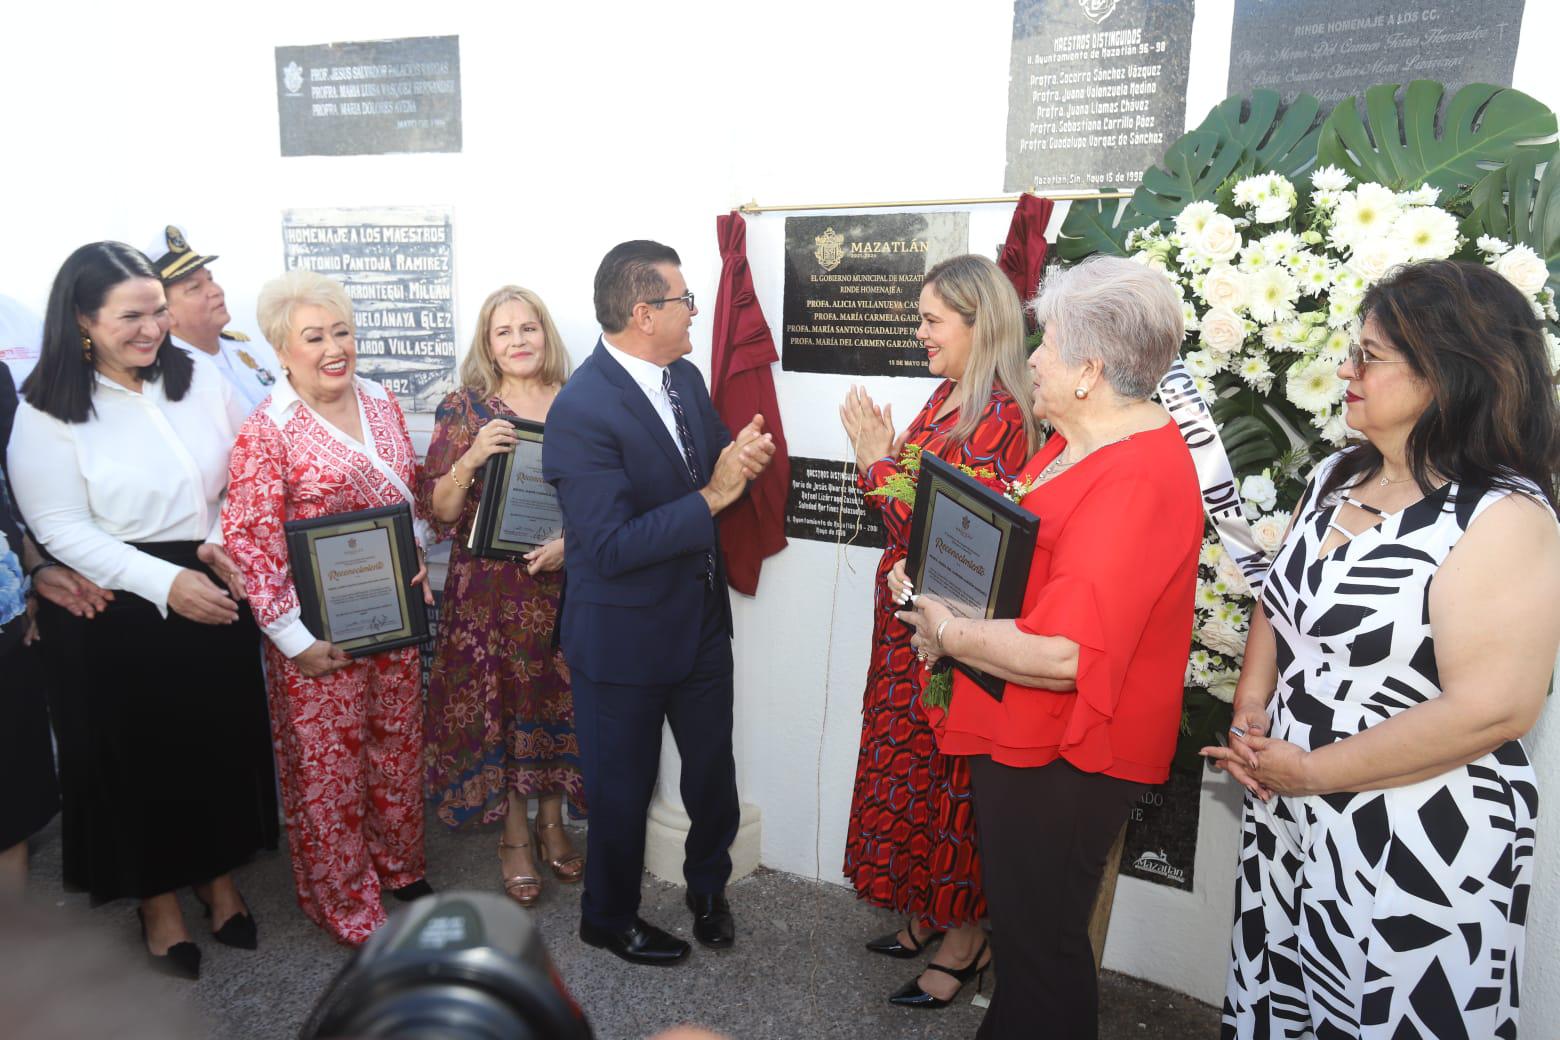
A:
(396, 263)
(826, 505)
(1096, 90)
(852, 289)
(370, 98)
(1333, 49)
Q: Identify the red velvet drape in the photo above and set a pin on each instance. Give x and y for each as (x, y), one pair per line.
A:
(1023, 254)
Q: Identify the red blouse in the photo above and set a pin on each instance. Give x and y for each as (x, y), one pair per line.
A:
(1115, 571)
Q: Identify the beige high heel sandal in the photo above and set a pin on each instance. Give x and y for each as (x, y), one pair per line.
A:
(522, 888)
(568, 869)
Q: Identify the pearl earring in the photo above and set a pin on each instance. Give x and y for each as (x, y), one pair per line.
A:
(1081, 392)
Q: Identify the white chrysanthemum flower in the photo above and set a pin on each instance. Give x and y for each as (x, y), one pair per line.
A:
(1219, 239)
(1283, 246)
(1260, 491)
(1524, 268)
(1224, 286)
(1365, 213)
(1342, 309)
(1200, 362)
(1222, 333)
(1554, 352)
(1314, 385)
(1254, 371)
(1191, 220)
(1211, 552)
(1205, 387)
(1492, 245)
(1336, 346)
(1424, 195)
(1336, 431)
(1315, 273)
(1201, 660)
(1207, 598)
(1251, 191)
(1273, 293)
(1268, 533)
(1189, 317)
(1426, 233)
(1275, 338)
(1231, 612)
(1330, 178)
(1221, 685)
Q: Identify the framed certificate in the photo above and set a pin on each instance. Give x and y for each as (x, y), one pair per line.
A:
(518, 510)
(352, 572)
(971, 547)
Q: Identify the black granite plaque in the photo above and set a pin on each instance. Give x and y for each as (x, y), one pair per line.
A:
(1161, 843)
(396, 264)
(826, 505)
(853, 285)
(1096, 90)
(1332, 49)
(370, 98)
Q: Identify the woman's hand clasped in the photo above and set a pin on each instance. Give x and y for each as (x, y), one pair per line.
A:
(1261, 764)
(197, 597)
(216, 557)
(321, 658)
(870, 428)
(545, 558)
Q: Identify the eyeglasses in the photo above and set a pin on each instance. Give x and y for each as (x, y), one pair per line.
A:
(1358, 360)
(686, 297)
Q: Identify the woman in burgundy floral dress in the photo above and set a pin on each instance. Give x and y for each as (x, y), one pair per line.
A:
(500, 717)
(911, 843)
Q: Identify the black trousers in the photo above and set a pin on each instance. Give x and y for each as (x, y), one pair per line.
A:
(619, 730)
(1044, 834)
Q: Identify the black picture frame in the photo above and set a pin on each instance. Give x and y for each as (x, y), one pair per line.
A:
(397, 623)
(487, 537)
(943, 486)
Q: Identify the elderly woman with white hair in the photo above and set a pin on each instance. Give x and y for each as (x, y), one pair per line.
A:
(1094, 665)
(348, 732)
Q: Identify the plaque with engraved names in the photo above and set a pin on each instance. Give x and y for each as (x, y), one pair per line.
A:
(518, 510)
(971, 547)
(353, 573)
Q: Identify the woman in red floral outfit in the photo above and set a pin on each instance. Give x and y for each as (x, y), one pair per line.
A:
(911, 843)
(348, 732)
(500, 711)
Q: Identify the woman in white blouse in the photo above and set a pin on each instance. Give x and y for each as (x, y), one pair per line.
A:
(119, 462)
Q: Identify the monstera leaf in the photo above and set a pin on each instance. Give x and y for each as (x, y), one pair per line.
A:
(1097, 226)
(1417, 143)
(1274, 137)
(1514, 203)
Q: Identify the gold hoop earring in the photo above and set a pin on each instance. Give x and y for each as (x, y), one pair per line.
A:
(1081, 392)
(86, 348)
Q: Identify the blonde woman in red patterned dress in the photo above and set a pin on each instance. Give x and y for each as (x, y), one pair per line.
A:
(500, 709)
(348, 732)
(911, 844)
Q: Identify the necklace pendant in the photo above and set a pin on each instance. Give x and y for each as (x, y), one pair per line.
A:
(1385, 481)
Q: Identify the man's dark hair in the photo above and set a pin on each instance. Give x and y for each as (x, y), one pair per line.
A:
(627, 276)
(61, 385)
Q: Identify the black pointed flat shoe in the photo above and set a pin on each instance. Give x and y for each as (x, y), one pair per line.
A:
(912, 995)
(238, 931)
(890, 946)
(181, 961)
(413, 892)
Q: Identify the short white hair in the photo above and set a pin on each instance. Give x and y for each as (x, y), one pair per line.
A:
(283, 295)
(1119, 312)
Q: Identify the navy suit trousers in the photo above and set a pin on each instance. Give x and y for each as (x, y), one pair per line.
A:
(619, 730)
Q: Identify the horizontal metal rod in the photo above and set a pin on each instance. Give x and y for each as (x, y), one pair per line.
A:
(1063, 196)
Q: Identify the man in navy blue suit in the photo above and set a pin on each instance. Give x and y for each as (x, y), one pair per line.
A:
(642, 465)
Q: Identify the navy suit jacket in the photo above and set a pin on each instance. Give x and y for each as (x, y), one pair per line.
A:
(636, 530)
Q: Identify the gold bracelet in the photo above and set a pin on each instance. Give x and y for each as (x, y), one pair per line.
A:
(467, 485)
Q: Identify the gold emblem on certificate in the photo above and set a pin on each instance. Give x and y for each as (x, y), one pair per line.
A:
(971, 547)
(518, 510)
(352, 572)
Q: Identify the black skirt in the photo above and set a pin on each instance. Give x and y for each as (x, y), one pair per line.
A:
(165, 761)
(32, 795)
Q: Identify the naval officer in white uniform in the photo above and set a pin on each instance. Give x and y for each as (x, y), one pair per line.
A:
(199, 316)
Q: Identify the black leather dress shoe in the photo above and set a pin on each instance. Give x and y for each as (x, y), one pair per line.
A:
(712, 924)
(642, 943)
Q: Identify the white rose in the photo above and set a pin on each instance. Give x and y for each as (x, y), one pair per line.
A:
(1230, 574)
(1222, 639)
(1268, 532)
(1221, 685)
(1223, 286)
(1258, 489)
(1220, 240)
(1222, 331)
(1374, 257)
(1523, 268)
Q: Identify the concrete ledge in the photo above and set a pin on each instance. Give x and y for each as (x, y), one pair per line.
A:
(666, 832)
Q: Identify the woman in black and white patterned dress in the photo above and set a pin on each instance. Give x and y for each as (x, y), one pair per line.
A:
(1408, 632)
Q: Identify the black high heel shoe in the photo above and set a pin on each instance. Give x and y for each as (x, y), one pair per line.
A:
(238, 931)
(182, 961)
(890, 946)
(912, 995)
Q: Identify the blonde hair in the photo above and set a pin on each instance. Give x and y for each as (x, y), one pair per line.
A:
(1123, 313)
(479, 372)
(978, 291)
(281, 297)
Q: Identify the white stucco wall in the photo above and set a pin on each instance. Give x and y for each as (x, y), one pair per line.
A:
(586, 124)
